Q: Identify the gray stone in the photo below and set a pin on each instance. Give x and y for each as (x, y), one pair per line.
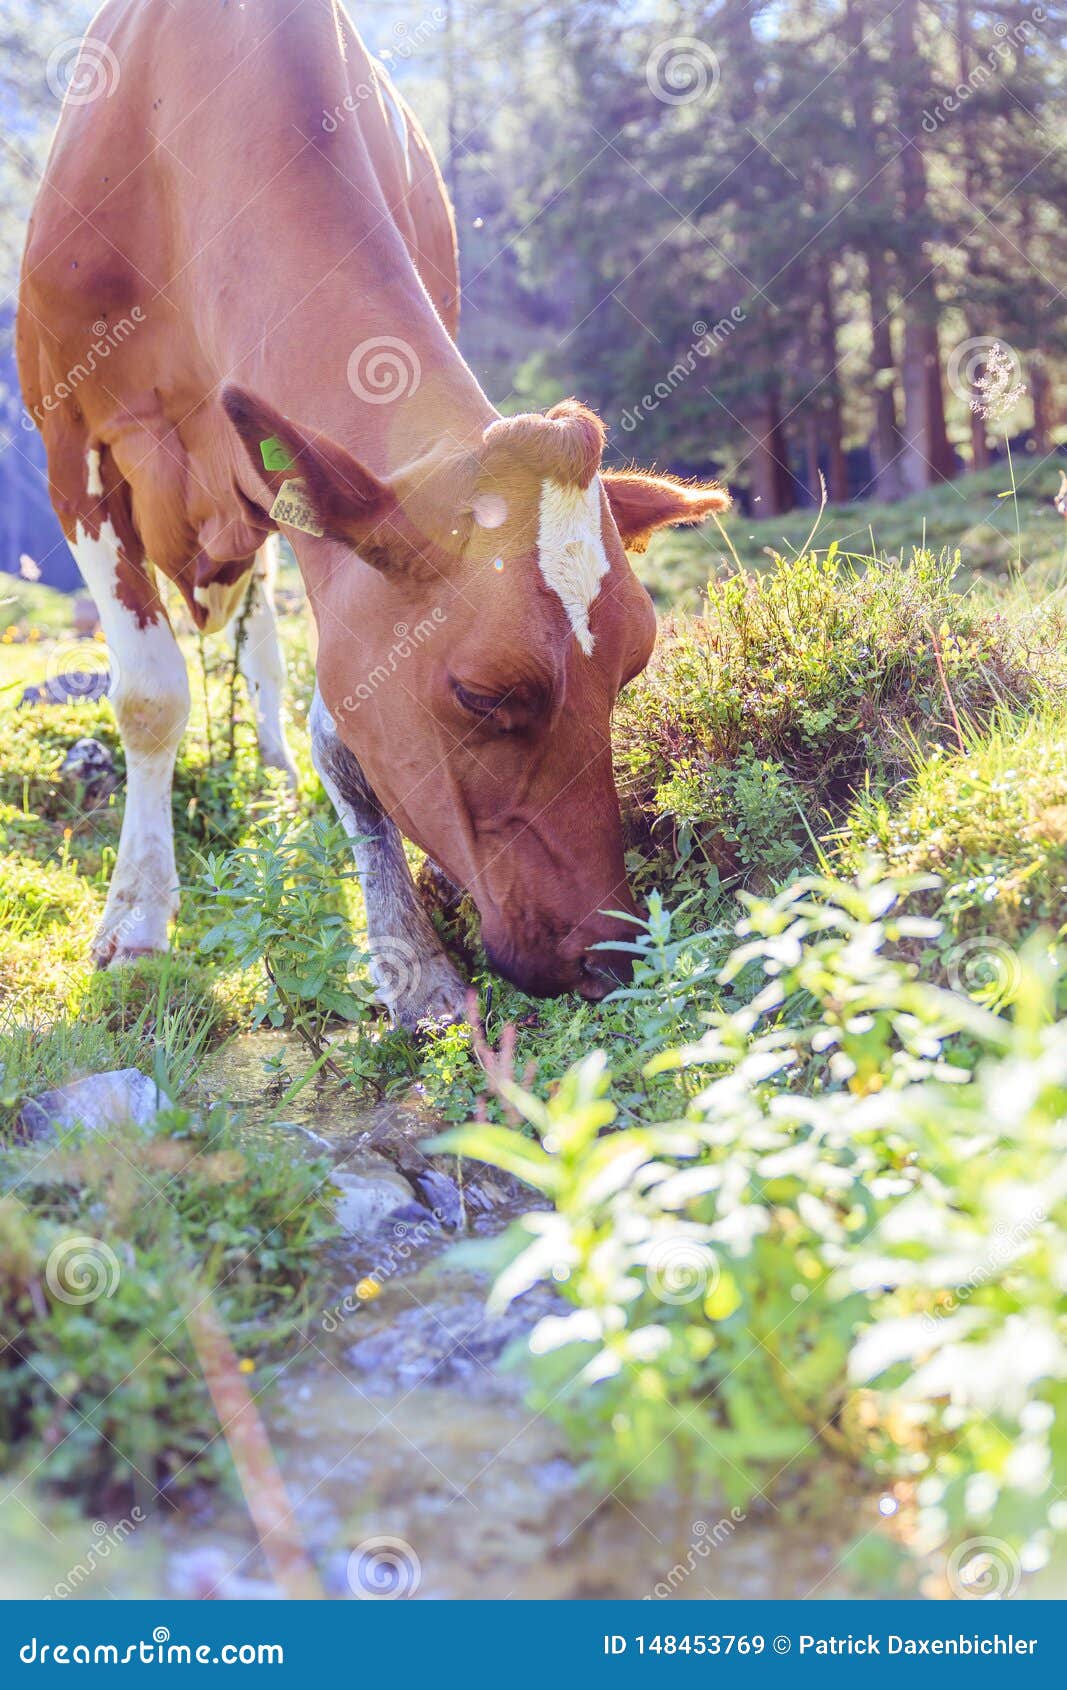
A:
(69, 688)
(363, 1201)
(98, 1103)
(90, 765)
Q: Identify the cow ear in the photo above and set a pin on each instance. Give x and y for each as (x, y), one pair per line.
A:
(342, 498)
(641, 503)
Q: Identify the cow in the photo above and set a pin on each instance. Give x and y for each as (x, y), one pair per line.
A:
(237, 318)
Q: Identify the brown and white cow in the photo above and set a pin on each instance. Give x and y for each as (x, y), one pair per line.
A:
(239, 298)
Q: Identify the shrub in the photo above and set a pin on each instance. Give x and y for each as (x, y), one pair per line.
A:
(990, 821)
(107, 1387)
(767, 713)
(857, 1221)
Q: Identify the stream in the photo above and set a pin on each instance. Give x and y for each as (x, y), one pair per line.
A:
(410, 1461)
(397, 1422)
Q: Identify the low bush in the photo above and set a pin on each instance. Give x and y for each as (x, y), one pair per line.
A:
(991, 822)
(760, 719)
(851, 1241)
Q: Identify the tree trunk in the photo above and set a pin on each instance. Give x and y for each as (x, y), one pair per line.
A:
(888, 443)
(928, 456)
(1041, 399)
(980, 455)
(771, 477)
(811, 455)
(837, 468)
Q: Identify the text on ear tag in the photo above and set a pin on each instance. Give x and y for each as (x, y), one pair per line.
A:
(293, 507)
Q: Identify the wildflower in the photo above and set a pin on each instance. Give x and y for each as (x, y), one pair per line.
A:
(997, 388)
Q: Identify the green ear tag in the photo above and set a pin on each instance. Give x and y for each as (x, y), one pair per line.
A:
(274, 454)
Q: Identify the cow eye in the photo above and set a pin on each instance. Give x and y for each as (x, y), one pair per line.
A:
(478, 703)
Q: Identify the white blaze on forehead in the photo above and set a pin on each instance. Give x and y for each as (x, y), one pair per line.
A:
(570, 551)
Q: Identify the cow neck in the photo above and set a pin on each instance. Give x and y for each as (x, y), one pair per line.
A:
(390, 387)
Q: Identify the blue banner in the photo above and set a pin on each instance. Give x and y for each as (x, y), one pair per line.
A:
(592, 1643)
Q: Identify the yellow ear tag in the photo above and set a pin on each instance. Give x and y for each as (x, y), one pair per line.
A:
(293, 507)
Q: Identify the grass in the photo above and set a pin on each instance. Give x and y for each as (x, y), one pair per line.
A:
(905, 710)
(970, 515)
(756, 723)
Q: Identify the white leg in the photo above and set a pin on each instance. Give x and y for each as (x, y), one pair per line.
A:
(410, 968)
(150, 695)
(260, 659)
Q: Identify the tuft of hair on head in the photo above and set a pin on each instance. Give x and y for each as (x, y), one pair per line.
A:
(565, 444)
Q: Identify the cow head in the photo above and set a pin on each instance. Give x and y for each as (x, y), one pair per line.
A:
(477, 616)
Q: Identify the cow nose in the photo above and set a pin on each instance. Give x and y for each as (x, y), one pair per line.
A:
(602, 972)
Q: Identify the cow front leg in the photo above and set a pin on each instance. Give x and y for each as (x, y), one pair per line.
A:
(149, 693)
(254, 633)
(411, 971)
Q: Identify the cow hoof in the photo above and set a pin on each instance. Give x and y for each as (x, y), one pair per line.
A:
(277, 757)
(439, 1001)
(108, 953)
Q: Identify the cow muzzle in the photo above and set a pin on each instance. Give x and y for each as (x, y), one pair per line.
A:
(573, 964)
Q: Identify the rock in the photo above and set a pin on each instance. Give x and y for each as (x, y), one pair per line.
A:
(363, 1201)
(485, 1193)
(91, 766)
(207, 1574)
(99, 1103)
(84, 619)
(450, 1344)
(68, 688)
